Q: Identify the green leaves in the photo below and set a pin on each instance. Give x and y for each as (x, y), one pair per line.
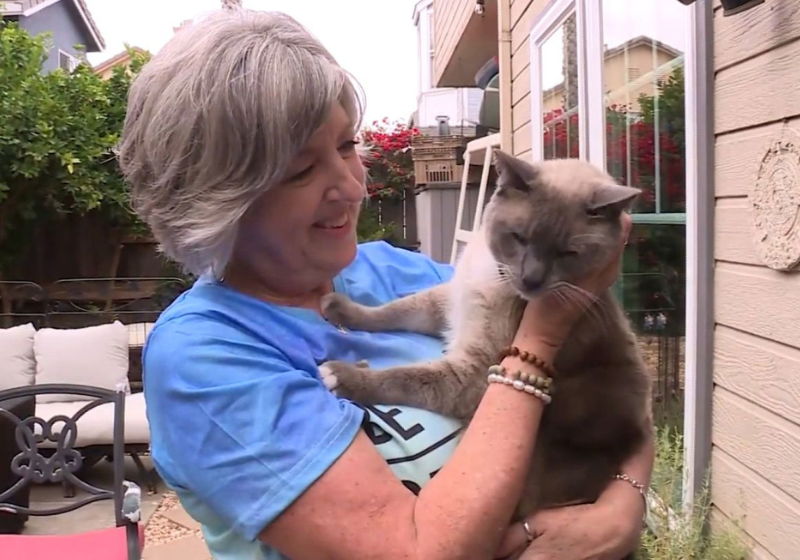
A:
(57, 134)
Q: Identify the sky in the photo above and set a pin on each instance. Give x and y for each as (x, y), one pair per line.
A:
(375, 40)
(665, 20)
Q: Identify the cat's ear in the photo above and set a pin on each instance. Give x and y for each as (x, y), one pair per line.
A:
(611, 199)
(513, 172)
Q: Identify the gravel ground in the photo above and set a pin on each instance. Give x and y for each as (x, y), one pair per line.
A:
(160, 530)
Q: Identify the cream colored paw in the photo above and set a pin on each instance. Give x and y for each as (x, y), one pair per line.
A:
(328, 377)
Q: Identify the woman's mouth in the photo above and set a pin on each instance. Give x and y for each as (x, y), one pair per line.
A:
(333, 224)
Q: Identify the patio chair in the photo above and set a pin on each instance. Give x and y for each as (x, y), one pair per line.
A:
(35, 464)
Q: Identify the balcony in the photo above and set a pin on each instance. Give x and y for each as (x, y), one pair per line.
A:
(463, 40)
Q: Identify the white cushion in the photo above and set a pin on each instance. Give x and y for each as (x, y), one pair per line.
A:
(96, 427)
(95, 356)
(17, 362)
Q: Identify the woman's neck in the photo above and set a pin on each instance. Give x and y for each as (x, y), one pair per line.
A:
(290, 294)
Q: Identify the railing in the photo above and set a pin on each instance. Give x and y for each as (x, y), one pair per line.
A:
(80, 302)
(479, 150)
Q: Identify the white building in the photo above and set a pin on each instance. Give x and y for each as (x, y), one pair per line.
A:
(460, 105)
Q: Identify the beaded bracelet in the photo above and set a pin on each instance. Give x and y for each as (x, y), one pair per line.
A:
(639, 488)
(529, 358)
(539, 387)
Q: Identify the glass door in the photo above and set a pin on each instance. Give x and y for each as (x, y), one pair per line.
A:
(645, 143)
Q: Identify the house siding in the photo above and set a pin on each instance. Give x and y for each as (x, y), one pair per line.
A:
(755, 459)
(63, 23)
(523, 14)
(450, 18)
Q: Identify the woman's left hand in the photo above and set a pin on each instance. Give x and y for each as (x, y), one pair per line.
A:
(606, 530)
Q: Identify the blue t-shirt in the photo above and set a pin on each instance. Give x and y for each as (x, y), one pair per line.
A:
(241, 424)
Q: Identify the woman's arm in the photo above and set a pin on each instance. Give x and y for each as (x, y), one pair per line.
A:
(605, 530)
(359, 510)
(623, 496)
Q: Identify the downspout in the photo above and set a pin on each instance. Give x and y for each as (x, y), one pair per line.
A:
(504, 66)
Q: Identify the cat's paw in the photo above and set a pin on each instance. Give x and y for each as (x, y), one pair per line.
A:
(344, 379)
(341, 310)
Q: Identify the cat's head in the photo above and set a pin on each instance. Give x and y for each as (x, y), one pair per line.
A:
(553, 221)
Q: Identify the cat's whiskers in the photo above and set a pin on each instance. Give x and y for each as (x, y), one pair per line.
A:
(594, 307)
(504, 275)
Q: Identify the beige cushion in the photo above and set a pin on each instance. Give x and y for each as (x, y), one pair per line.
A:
(95, 356)
(96, 427)
(17, 362)
(138, 333)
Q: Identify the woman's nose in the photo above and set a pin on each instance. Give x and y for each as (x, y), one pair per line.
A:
(348, 181)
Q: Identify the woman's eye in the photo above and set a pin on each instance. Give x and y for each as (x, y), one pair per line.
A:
(349, 146)
(567, 253)
(518, 238)
(304, 174)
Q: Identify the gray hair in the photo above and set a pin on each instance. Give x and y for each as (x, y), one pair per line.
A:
(215, 118)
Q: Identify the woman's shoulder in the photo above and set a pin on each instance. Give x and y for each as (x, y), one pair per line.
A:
(210, 321)
(382, 268)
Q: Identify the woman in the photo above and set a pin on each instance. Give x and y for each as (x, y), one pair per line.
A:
(239, 147)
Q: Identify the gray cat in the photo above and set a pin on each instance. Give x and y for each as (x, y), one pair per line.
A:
(545, 226)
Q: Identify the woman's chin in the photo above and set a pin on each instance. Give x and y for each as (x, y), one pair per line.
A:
(337, 256)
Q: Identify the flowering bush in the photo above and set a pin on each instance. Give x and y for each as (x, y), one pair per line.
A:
(632, 155)
(390, 168)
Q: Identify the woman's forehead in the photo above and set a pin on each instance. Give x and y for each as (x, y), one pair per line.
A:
(337, 127)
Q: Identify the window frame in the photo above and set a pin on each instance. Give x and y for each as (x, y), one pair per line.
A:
(555, 15)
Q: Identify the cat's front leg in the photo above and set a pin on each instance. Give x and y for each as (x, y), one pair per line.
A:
(452, 386)
(423, 312)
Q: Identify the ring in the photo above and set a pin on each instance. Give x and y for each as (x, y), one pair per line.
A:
(528, 532)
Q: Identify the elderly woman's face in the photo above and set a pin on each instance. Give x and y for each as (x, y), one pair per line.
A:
(307, 224)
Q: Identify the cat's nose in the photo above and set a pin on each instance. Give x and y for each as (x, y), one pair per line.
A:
(532, 283)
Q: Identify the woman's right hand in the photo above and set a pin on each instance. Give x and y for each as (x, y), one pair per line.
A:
(549, 318)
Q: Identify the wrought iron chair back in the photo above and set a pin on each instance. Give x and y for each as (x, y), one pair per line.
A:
(37, 465)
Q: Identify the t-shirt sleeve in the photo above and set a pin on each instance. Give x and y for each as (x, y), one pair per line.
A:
(407, 271)
(237, 426)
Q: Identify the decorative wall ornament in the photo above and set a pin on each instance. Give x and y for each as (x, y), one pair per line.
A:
(775, 202)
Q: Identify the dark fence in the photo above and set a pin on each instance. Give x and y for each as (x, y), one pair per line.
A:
(401, 214)
(655, 307)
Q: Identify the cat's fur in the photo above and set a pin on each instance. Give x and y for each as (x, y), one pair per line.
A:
(544, 228)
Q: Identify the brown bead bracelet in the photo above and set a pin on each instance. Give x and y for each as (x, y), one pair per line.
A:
(529, 358)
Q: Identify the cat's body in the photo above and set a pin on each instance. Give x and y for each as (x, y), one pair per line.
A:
(600, 411)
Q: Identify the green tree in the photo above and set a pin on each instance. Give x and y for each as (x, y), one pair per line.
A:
(57, 135)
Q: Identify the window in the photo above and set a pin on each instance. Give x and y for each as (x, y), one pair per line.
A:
(557, 91)
(645, 148)
(67, 62)
(607, 84)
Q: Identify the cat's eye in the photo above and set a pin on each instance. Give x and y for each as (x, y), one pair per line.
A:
(593, 213)
(518, 238)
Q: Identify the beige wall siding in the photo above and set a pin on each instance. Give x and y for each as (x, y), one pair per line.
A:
(523, 13)
(755, 473)
(450, 18)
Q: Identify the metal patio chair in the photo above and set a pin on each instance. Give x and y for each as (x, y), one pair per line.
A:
(34, 464)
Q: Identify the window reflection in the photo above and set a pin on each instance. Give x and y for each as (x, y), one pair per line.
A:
(560, 92)
(643, 82)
